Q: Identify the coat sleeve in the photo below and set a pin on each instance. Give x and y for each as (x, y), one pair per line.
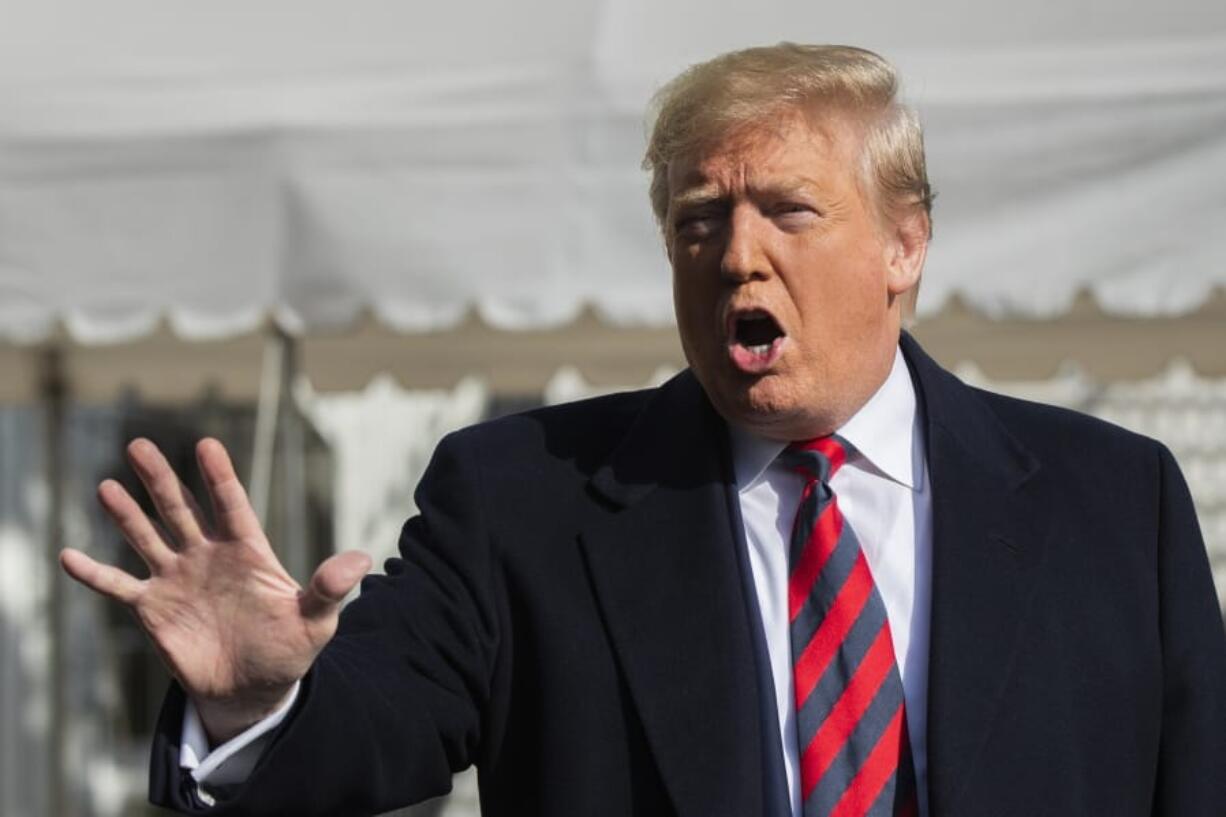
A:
(395, 703)
(1191, 775)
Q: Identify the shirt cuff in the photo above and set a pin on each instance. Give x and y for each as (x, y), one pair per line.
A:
(232, 761)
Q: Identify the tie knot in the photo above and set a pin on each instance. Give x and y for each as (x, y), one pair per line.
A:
(817, 459)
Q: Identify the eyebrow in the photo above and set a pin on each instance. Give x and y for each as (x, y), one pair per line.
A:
(708, 194)
(697, 198)
(802, 186)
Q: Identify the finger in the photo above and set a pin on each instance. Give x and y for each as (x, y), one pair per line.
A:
(234, 514)
(332, 582)
(168, 494)
(109, 581)
(134, 525)
(202, 521)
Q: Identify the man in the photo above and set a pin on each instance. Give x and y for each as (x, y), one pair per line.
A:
(812, 575)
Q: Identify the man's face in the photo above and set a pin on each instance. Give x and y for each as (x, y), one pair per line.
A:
(785, 279)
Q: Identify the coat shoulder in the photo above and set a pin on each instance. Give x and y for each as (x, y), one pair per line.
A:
(578, 436)
(1057, 434)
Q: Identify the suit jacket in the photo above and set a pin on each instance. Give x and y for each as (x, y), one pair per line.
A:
(568, 614)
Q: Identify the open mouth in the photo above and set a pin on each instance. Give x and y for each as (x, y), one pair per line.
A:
(755, 340)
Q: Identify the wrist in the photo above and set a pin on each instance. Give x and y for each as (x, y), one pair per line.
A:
(226, 718)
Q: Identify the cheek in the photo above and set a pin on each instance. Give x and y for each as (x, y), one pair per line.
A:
(692, 303)
(842, 296)
(693, 286)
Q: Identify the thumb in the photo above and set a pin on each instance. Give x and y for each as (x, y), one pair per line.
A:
(332, 582)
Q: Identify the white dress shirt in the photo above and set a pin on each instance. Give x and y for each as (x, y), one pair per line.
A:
(883, 494)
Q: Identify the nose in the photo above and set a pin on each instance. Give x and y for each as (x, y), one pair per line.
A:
(744, 257)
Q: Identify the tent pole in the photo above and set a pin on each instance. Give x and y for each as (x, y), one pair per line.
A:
(268, 409)
(279, 455)
(54, 393)
(292, 446)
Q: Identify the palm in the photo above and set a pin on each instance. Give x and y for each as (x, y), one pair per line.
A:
(208, 615)
(232, 625)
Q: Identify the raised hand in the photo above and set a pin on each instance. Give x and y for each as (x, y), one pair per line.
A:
(231, 624)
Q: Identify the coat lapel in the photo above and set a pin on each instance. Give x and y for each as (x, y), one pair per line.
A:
(662, 560)
(987, 544)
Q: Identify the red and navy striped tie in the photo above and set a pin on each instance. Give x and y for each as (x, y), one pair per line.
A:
(855, 757)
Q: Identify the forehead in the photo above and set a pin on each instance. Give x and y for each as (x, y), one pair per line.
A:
(795, 150)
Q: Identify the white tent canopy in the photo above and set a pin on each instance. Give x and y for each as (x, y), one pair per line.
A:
(214, 164)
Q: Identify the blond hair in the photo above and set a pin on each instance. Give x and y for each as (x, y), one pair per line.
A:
(742, 90)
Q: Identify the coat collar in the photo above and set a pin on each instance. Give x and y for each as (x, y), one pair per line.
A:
(677, 438)
(962, 415)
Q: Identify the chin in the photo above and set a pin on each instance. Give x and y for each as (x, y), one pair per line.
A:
(762, 407)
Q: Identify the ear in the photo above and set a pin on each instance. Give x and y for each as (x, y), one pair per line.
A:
(906, 249)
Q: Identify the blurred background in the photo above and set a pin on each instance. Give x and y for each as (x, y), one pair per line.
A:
(329, 233)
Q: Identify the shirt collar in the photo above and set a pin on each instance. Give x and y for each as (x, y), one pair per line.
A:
(884, 431)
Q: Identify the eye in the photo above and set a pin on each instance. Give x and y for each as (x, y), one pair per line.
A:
(790, 207)
(696, 226)
(793, 214)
